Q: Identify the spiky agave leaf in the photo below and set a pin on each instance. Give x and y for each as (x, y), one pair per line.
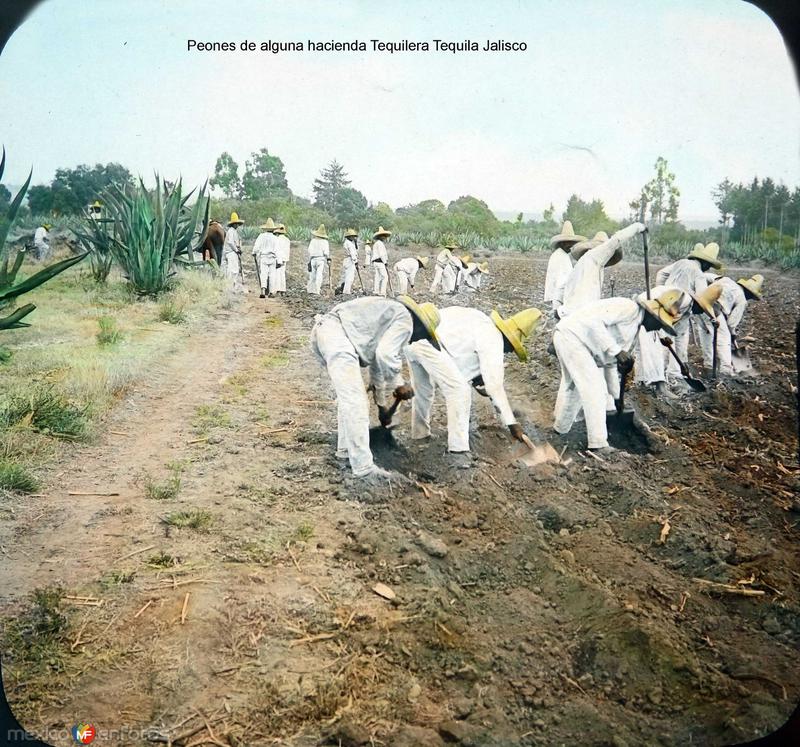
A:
(11, 213)
(40, 277)
(12, 321)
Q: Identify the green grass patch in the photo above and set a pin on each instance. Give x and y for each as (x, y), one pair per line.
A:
(207, 417)
(109, 333)
(195, 518)
(45, 409)
(274, 359)
(161, 560)
(304, 531)
(14, 476)
(273, 321)
(172, 310)
(117, 578)
(163, 490)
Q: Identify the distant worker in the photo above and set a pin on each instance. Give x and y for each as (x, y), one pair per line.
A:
(475, 344)
(266, 258)
(406, 270)
(283, 248)
(460, 265)
(442, 265)
(319, 256)
(372, 333)
(41, 241)
(473, 275)
(559, 265)
(232, 254)
(380, 261)
(584, 283)
(349, 263)
(367, 277)
(95, 210)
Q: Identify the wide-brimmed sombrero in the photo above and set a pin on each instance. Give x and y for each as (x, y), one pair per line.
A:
(268, 226)
(235, 219)
(423, 261)
(579, 249)
(706, 299)
(427, 314)
(280, 228)
(665, 309)
(567, 235)
(350, 232)
(381, 232)
(708, 254)
(320, 233)
(516, 328)
(753, 285)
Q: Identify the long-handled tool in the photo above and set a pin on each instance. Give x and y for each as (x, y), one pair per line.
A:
(694, 383)
(258, 272)
(714, 361)
(361, 282)
(330, 280)
(623, 418)
(389, 279)
(740, 357)
(385, 415)
(646, 263)
(533, 454)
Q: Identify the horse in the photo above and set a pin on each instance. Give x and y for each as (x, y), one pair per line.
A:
(213, 241)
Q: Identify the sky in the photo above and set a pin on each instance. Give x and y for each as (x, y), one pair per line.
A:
(602, 90)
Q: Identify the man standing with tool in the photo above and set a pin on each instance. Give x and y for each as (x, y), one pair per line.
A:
(265, 257)
(319, 256)
(232, 254)
(349, 263)
(473, 348)
(370, 333)
(380, 261)
(283, 248)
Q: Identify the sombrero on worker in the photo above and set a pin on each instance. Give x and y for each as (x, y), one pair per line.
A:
(426, 314)
(350, 233)
(707, 253)
(665, 309)
(235, 220)
(451, 245)
(320, 233)
(706, 299)
(422, 260)
(465, 259)
(268, 226)
(567, 235)
(280, 228)
(753, 285)
(579, 249)
(381, 232)
(516, 328)
(484, 267)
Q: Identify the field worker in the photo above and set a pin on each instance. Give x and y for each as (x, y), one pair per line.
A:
(41, 242)
(265, 256)
(380, 261)
(406, 270)
(367, 262)
(319, 255)
(368, 332)
(473, 275)
(729, 308)
(584, 283)
(483, 270)
(95, 210)
(283, 248)
(559, 266)
(442, 263)
(688, 275)
(460, 265)
(472, 355)
(232, 254)
(593, 345)
(349, 263)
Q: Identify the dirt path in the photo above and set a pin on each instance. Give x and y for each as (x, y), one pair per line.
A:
(532, 607)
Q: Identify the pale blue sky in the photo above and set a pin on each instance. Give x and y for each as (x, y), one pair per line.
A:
(707, 84)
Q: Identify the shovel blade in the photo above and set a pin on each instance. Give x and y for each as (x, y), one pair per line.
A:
(534, 454)
(696, 384)
(740, 361)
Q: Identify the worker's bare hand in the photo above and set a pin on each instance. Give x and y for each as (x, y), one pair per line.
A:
(515, 429)
(403, 392)
(665, 341)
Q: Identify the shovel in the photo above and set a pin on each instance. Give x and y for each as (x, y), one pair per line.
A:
(624, 419)
(714, 363)
(740, 357)
(695, 384)
(533, 454)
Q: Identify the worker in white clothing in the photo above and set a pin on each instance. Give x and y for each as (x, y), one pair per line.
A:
(266, 258)
(380, 261)
(585, 282)
(443, 259)
(369, 332)
(95, 210)
(559, 265)
(460, 265)
(473, 345)
(41, 241)
(319, 256)
(729, 308)
(478, 277)
(349, 263)
(283, 248)
(406, 270)
(593, 345)
(366, 278)
(232, 254)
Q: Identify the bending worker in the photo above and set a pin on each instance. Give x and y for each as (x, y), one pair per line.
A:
(473, 347)
(369, 332)
(406, 270)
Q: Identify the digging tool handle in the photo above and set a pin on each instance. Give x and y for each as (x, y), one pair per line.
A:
(258, 271)
(714, 355)
(620, 403)
(694, 383)
(389, 279)
(361, 282)
(387, 415)
(646, 263)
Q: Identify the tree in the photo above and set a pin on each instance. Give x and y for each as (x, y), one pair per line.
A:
(264, 176)
(723, 199)
(40, 200)
(5, 197)
(350, 208)
(588, 217)
(468, 213)
(226, 176)
(660, 194)
(326, 188)
(73, 189)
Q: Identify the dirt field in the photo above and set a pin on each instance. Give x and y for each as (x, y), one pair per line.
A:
(533, 607)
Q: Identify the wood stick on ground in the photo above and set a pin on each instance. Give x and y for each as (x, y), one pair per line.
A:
(424, 488)
(491, 477)
(149, 602)
(684, 597)
(270, 431)
(312, 639)
(573, 683)
(135, 552)
(730, 589)
(197, 440)
(119, 433)
(665, 527)
(81, 492)
(595, 456)
(294, 559)
(762, 678)
(183, 609)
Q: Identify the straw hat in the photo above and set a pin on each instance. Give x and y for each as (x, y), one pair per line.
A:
(707, 253)
(423, 261)
(516, 328)
(46, 226)
(452, 246)
(567, 235)
(96, 204)
(320, 232)
(465, 259)
(753, 285)
(665, 308)
(706, 299)
(350, 232)
(427, 314)
(484, 267)
(368, 242)
(579, 249)
(381, 232)
(235, 219)
(280, 229)
(268, 226)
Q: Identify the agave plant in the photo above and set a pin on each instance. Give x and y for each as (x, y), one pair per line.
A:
(151, 229)
(10, 289)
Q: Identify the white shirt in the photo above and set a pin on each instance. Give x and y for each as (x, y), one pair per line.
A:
(732, 300)
(233, 242)
(605, 327)
(379, 329)
(685, 274)
(351, 251)
(558, 269)
(265, 245)
(319, 248)
(282, 248)
(367, 254)
(443, 257)
(379, 253)
(40, 235)
(408, 265)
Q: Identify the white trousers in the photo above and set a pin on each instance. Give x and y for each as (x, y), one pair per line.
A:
(585, 385)
(381, 281)
(431, 368)
(332, 346)
(705, 337)
(316, 275)
(437, 277)
(683, 328)
(650, 361)
(449, 278)
(267, 269)
(280, 278)
(402, 282)
(231, 270)
(348, 275)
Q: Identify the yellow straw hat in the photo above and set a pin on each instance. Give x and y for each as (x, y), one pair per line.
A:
(484, 267)
(320, 232)
(516, 328)
(579, 249)
(280, 228)
(46, 226)
(427, 314)
(368, 242)
(707, 298)
(567, 235)
(753, 285)
(350, 232)
(665, 308)
(465, 259)
(268, 226)
(452, 246)
(707, 253)
(96, 204)
(235, 220)
(423, 261)
(381, 232)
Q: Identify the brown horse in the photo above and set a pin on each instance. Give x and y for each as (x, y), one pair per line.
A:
(213, 241)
